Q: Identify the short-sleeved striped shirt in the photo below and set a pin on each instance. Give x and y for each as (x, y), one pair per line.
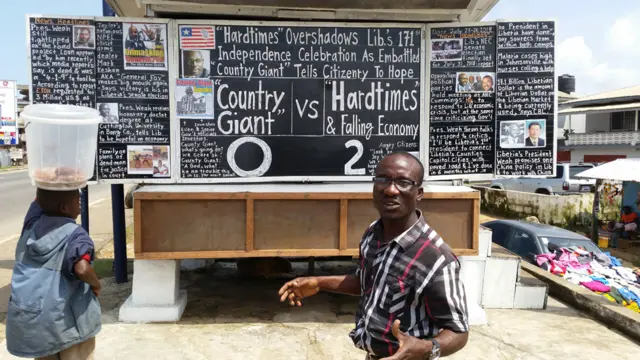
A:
(414, 278)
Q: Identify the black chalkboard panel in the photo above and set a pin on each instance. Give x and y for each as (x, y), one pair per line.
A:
(63, 62)
(133, 98)
(276, 101)
(461, 101)
(525, 98)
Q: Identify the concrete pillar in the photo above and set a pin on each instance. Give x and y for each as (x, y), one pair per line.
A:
(156, 294)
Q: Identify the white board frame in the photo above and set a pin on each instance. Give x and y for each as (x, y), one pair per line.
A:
(469, 177)
(555, 97)
(288, 179)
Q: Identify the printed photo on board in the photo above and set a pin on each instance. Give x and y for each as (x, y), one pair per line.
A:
(196, 63)
(535, 133)
(145, 46)
(84, 37)
(194, 98)
(194, 37)
(446, 50)
(475, 82)
(512, 134)
(109, 112)
(140, 159)
(161, 161)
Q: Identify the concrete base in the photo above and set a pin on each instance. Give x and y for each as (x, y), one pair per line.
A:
(156, 294)
(477, 315)
(132, 313)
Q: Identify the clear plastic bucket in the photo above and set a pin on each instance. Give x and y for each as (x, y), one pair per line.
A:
(62, 142)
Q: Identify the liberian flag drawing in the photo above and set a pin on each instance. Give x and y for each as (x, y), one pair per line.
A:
(197, 37)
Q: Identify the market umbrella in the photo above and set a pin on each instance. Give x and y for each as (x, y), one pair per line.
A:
(620, 170)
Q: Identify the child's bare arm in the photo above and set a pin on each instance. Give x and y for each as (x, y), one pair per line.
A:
(85, 272)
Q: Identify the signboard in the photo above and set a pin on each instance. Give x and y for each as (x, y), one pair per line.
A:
(8, 113)
(134, 141)
(492, 100)
(119, 68)
(199, 101)
(527, 98)
(298, 102)
(461, 101)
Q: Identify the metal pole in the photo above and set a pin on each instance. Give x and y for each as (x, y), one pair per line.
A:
(84, 207)
(119, 233)
(117, 210)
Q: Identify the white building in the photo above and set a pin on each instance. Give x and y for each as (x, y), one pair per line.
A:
(601, 127)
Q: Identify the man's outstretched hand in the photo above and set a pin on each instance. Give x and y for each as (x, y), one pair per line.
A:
(298, 289)
(411, 348)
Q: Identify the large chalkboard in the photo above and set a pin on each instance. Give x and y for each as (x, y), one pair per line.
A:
(133, 97)
(295, 101)
(461, 101)
(526, 99)
(119, 68)
(63, 62)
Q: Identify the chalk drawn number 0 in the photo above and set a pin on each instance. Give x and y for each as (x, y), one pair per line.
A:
(348, 167)
(260, 170)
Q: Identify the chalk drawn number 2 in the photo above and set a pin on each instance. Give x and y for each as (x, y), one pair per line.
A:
(348, 167)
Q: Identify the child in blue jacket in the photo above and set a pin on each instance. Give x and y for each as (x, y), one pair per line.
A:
(53, 310)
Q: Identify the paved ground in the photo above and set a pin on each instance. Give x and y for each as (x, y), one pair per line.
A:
(16, 193)
(230, 318)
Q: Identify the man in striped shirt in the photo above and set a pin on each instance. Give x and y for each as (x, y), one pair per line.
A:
(412, 301)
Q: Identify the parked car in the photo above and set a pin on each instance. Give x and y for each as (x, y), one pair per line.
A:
(564, 181)
(527, 239)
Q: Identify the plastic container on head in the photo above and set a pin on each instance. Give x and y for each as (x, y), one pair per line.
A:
(62, 141)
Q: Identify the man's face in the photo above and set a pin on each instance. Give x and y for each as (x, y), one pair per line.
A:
(189, 91)
(534, 131)
(487, 83)
(159, 163)
(513, 130)
(471, 79)
(193, 63)
(626, 210)
(85, 35)
(393, 200)
(105, 111)
(133, 32)
(463, 79)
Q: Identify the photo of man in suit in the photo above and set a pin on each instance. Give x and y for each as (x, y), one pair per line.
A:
(534, 139)
(512, 134)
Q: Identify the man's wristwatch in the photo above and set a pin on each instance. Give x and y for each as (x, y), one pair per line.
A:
(435, 350)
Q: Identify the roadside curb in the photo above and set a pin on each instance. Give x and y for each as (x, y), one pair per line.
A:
(596, 306)
(12, 169)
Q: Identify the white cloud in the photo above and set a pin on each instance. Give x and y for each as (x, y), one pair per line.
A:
(624, 35)
(595, 74)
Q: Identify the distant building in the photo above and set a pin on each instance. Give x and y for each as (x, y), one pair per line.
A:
(601, 127)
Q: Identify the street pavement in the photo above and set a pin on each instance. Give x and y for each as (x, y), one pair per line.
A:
(17, 193)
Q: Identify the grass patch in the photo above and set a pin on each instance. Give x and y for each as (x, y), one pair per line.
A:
(103, 264)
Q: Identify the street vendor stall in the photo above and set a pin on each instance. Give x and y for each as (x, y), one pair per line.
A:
(256, 128)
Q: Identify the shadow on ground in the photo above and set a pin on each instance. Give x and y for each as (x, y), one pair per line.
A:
(218, 295)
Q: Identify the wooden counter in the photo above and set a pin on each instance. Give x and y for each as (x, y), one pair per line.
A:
(264, 220)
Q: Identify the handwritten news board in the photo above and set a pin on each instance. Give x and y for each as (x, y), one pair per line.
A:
(119, 68)
(491, 90)
(526, 99)
(133, 95)
(295, 101)
(461, 100)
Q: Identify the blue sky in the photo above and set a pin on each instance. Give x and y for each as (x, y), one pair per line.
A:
(598, 40)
